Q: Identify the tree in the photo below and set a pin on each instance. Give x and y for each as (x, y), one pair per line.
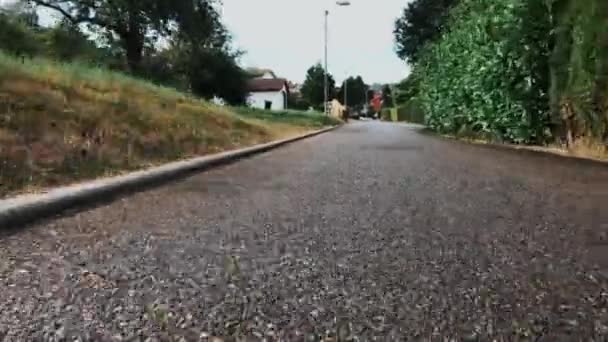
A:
(407, 89)
(356, 91)
(17, 38)
(314, 85)
(66, 42)
(370, 95)
(136, 23)
(216, 73)
(297, 102)
(422, 22)
(387, 96)
(209, 61)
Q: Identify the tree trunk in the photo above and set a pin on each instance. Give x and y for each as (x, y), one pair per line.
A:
(133, 40)
(134, 49)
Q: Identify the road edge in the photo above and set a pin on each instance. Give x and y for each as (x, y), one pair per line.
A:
(26, 209)
(532, 149)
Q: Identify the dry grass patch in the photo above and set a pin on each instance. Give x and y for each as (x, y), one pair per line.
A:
(61, 123)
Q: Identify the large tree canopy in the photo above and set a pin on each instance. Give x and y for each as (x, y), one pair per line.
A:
(356, 91)
(314, 85)
(387, 96)
(180, 43)
(135, 23)
(422, 21)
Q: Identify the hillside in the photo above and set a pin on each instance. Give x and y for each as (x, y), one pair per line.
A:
(61, 123)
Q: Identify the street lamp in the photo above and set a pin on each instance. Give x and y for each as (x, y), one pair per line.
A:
(326, 79)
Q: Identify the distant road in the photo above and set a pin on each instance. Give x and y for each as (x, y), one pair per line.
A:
(373, 230)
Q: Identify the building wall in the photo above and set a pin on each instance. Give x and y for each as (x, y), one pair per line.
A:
(257, 100)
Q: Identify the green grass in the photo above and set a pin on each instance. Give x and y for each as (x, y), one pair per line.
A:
(60, 123)
(298, 118)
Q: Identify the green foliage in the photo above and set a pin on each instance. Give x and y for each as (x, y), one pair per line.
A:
(63, 42)
(314, 85)
(525, 71)
(297, 102)
(215, 73)
(579, 68)
(487, 74)
(387, 96)
(199, 57)
(422, 22)
(135, 24)
(356, 92)
(16, 37)
(407, 89)
(66, 42)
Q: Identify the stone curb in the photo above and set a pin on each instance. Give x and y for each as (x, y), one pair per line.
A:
(26, 209)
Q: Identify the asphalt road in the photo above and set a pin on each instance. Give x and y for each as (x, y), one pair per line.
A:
(372, 232)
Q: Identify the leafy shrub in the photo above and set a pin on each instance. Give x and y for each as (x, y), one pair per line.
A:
(17, 38)
(515, 70)
(484, 75)
(67, 43)
(579, 68)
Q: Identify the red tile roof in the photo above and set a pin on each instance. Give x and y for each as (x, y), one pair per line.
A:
(262, 84)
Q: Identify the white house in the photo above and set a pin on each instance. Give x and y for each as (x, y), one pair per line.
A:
(268, 92)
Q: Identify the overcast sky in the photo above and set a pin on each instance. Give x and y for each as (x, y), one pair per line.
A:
(287, 36)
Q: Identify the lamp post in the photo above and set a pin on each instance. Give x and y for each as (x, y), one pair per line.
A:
(326, 78)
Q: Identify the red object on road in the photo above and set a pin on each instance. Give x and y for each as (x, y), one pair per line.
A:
(377, 103)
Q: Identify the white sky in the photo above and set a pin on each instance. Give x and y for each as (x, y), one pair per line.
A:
(287, 36)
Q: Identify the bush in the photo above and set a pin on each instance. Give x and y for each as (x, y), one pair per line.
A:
(579, 68)
(17, 38)
(66, 42)
(411, 112)
(516, 70)
(488, 73)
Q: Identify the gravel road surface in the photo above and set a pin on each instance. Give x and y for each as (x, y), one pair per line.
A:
(371, 232)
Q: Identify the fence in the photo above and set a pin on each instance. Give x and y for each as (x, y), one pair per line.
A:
(410, 111)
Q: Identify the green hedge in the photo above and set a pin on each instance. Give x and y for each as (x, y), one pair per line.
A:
(411, 111)
(485, 75)
(579, 68)
(524, 71)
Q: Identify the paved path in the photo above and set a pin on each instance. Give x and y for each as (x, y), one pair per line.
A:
(371, 232)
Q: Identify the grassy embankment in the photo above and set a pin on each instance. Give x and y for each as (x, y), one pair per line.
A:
(61, 123)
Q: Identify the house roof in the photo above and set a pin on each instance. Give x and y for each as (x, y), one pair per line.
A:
(261, 84)
(259, 72)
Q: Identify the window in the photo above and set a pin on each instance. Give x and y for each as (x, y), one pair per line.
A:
(268, 105)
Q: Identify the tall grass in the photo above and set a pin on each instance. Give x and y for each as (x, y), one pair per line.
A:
(77, 73)
(60, 122)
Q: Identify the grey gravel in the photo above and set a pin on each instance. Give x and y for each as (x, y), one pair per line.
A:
(374, 232)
